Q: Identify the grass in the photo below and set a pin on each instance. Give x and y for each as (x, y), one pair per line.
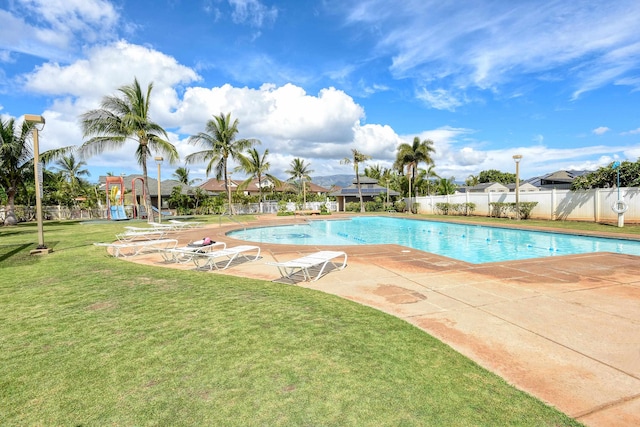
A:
(86, 339)
(577, 227)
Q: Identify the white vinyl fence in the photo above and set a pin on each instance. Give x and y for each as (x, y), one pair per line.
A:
(588, 205)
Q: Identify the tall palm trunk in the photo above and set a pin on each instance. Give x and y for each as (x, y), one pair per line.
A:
(147, 196)
(10, 218)
(227, 186)
(359, 192)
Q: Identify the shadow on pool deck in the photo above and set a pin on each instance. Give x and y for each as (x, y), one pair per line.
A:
(564, 329)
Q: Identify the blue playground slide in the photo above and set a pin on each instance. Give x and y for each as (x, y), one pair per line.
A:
(118, 213)
(165, 213)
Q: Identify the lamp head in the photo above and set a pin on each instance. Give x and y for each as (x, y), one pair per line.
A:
(517, 157)
(33, 118)
(158, 160)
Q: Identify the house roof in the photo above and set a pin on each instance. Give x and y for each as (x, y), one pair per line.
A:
(484, 186)
(525, 185)
(557, 177)
(369, 188)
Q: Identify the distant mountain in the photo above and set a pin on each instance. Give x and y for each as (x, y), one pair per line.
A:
(329, 180)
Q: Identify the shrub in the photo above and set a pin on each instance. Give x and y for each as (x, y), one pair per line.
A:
(526, 208)
(372, 206)
(443, 208)
(500, 209)
(352, 207)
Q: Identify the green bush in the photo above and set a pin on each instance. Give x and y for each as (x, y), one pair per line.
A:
(373, 206)
(500, 209)
(465, 209)
(526, 208)
(443, 208)
(352, 207)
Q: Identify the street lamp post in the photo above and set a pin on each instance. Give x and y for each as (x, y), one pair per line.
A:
(37, 169)
(517, 158)
(159, 162)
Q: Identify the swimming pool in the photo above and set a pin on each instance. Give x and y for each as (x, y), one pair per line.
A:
(471, 243)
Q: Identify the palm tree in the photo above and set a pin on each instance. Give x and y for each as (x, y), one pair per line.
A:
(124, 117)
(16, 161)
(219, 139)
(424, 180)
(375, 171)
(15, 157)
(256, 166)
(71, 171)
(181, 174)
(472, 180)
(446, 186)
(300, 171)
(358, 157)
(411, 155)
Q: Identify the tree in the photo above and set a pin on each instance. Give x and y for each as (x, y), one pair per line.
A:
(424, 181)
(219, 140)
(607, 177)
(125, 117)
(358, 158)
(493, 175)
(300, 171)
(181, 174)
(15, 159)
(256, 166)
(375, 171)
(72, 171)
(472, 180)
(446, 186)
(411, 155)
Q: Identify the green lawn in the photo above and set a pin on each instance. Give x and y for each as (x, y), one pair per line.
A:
(86, 339)
(568, 226)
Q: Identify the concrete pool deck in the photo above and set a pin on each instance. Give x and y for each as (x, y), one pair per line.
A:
(565, 329)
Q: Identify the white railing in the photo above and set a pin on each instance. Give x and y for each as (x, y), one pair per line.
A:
(585, 205)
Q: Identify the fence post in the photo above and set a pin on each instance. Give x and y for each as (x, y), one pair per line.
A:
(596, 205)
(553, 204)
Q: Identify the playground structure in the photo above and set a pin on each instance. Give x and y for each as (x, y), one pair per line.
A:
(115, 199)
(139, 210)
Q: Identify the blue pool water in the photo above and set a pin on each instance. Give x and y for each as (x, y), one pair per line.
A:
(471, 243)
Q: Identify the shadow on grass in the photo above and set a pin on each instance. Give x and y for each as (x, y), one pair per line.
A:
(8, 251)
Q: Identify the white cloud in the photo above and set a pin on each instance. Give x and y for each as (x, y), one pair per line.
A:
(440, 99)
(601, 130)
(61, 25)
(253, 12)
(106, 68)
(496, 42)
(632, 132)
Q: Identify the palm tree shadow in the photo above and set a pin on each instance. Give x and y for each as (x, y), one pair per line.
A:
(12, 252)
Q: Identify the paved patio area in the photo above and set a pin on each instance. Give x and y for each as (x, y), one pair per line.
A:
(564, 329)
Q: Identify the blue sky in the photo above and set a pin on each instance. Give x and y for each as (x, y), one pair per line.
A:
(555, 81)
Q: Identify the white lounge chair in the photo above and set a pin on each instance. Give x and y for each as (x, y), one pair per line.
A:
(209, 259)
(185, 254)
(162, 225)
(126, 249)
(309, 263)
(139, 233)
(186, 224)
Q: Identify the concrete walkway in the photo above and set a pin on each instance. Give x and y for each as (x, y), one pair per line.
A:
(564, 329)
